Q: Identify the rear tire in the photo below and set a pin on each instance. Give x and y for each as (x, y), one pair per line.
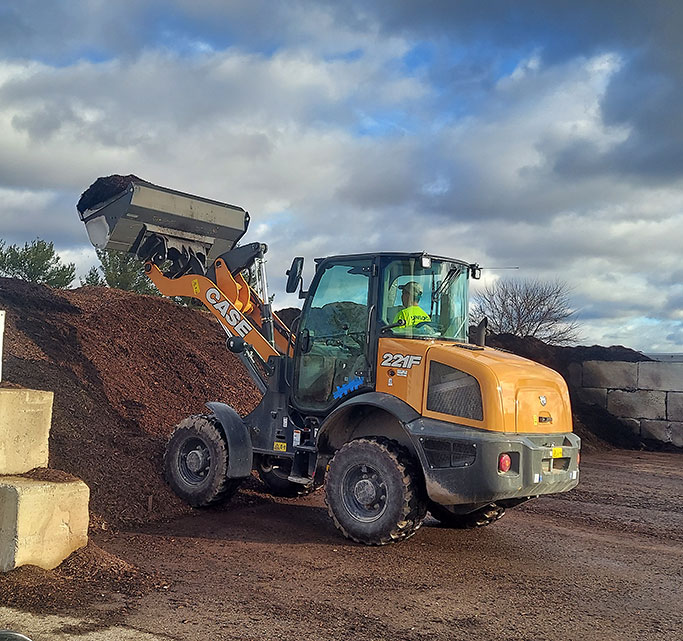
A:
(196, 462)
(374, 492)
(274, 473)
(479, 518)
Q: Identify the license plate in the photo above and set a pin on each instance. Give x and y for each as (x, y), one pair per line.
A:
(281, 447)
(557, 452)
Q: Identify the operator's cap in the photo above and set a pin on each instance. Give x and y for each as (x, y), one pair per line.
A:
(412, 287)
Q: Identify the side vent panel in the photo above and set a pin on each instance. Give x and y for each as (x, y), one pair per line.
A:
(454, 392)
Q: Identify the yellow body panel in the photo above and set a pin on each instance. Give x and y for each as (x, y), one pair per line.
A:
(518, 395)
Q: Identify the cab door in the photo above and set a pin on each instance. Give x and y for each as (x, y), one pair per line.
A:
(331, 358)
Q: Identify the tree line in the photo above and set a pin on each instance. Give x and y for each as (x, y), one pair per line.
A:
(38, 262)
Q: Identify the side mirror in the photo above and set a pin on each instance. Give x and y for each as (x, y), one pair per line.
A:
(305, 341)
(475, 271)
(294, 274)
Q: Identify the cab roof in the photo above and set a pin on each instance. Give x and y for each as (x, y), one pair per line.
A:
(395, 255)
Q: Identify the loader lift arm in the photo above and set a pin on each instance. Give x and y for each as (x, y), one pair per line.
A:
(231, 304)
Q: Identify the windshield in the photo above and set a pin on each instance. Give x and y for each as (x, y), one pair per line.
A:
(423, 302)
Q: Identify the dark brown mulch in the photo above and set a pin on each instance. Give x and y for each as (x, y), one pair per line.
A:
(559, 358)
(104, 188)
(82, 579)
(125, 369)
(48, 475)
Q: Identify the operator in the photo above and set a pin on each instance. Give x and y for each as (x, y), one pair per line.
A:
(411, 313)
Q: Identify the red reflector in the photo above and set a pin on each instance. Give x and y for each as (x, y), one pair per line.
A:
(504, 462)
(578, 458)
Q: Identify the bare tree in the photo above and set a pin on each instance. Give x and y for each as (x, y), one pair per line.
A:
(528, 308)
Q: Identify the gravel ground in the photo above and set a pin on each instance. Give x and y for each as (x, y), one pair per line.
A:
(603, 561)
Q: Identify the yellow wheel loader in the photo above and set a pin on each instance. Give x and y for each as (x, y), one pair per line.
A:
(391, 408)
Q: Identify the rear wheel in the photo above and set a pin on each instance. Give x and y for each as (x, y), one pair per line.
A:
(374, 492)
(274, 472)
(478, 518)
(196, 462)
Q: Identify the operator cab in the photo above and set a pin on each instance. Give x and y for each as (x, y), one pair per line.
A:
(353, 301)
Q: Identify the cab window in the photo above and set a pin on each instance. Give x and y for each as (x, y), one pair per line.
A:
(331, 348)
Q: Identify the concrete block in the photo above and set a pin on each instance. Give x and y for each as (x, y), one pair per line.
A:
(674, 406)
(640, 404)
(593, 396)
(661, 376)
(574, 373)
(41, 522)
(633, 425)
(677, 433)
(610, 374)
(656, 430)
(25, 417)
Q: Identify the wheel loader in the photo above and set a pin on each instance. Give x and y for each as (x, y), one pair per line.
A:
(394, 418)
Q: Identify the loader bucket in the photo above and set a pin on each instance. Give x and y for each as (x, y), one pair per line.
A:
(137, 212)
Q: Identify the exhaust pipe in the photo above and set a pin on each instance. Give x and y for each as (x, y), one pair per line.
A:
(480, 332)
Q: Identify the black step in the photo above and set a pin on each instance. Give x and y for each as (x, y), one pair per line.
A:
(303, 480)
(306, 448)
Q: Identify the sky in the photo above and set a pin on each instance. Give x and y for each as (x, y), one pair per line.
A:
(540, 135)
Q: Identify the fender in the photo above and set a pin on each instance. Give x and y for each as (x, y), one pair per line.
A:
(390, 404)
(240, 451)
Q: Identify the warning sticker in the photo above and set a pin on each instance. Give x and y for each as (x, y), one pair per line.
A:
(280, 447)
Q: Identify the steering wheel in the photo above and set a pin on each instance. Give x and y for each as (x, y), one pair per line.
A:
(427, 328)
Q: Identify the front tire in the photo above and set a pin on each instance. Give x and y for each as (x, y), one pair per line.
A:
(196, 462)
(374, 492)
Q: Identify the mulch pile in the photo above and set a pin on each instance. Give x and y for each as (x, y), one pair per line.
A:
(85, 577)
(125, 369)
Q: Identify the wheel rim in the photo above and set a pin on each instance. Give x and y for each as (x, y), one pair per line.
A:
(364, 493)
(194, 461)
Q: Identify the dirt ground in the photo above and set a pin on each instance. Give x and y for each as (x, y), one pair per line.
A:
(603, 561)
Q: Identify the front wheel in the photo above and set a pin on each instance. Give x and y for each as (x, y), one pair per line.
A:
(196, 462)
(374, 492)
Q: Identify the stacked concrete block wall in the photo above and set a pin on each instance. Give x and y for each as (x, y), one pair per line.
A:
(41, 521)
(647, 396)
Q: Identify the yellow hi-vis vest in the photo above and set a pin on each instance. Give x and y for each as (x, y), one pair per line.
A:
(412, 316)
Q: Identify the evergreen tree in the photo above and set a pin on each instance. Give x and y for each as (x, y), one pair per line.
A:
(94, 278)
(120, 270)
(36, 262)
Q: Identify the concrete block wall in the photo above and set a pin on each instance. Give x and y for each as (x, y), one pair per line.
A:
(646, 396)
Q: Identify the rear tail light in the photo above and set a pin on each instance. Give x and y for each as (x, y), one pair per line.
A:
(578, 458)
(504, 463)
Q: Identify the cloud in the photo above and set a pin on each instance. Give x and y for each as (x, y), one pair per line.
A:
(546, 138)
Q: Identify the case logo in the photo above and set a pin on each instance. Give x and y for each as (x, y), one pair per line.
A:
(228, 312)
